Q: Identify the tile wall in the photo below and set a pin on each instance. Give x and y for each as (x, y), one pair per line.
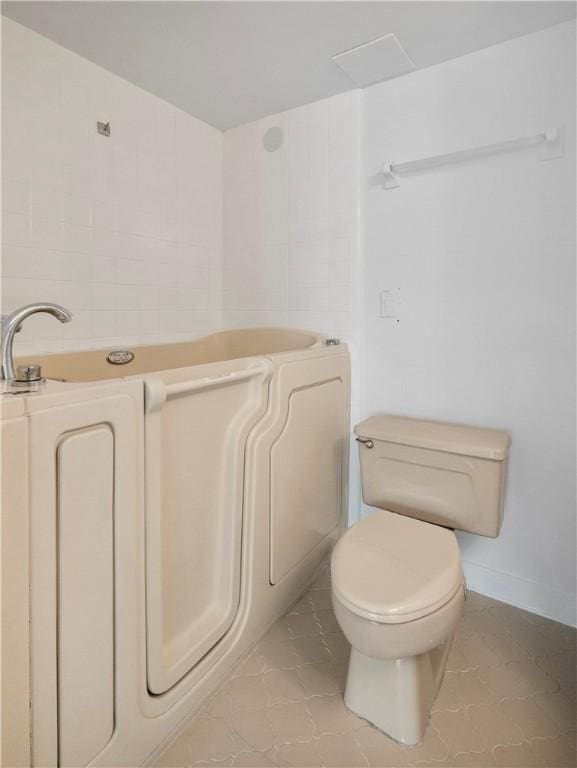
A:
(291, 220)
(125, 231)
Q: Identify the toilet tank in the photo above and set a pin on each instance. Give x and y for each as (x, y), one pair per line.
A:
(446, 474)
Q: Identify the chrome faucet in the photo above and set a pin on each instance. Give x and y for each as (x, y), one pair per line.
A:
(11, 325)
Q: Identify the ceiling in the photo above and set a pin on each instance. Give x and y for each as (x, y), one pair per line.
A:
(232, 62)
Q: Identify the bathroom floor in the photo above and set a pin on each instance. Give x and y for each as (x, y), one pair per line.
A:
(508, 698)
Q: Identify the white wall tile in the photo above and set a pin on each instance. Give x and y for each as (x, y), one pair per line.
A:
(76, 210)
(15, 197)
(76, 295)
(75, 267)
(104, 324)
(310, 299)
(15, 229)
(104, 296)
(126, 297)
(308, 274)
(102, 268)
(75, 238)
(103, 215)
(127, 324)
(103, 242)
(45, 233)
(45, 203)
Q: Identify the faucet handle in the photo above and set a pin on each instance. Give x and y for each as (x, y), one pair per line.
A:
(28, 378)
(29, 373)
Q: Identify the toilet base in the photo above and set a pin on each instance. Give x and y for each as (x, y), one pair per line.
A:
(396, 695)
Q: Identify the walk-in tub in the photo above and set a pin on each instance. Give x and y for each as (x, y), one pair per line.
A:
(180, 497)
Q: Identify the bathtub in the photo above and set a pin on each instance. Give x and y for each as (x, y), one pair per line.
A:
(181, 498)
(93, 365)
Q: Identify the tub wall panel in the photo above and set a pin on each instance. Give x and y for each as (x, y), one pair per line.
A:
(15, 603)
(306, 473)
(303, 461)
(85, 595)
(85, 468)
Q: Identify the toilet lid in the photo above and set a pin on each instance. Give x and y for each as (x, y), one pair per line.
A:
(391, 568)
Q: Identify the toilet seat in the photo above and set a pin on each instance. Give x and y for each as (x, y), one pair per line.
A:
(392, 569)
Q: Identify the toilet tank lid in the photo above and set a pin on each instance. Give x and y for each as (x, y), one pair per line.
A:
(437, 436)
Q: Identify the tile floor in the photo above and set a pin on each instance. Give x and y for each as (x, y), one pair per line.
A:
(508, 698)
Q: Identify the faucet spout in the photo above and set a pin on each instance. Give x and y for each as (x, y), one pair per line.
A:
(11, 325)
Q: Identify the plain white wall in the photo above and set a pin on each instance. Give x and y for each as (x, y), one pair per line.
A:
(483, 256)
(125, 231)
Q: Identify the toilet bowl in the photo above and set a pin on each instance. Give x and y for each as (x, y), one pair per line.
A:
(398, 592)
(397, 582)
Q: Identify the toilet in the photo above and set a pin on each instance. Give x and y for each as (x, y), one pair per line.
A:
(397, 582)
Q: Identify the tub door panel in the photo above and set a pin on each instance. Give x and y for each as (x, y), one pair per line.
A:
(308, 460)
(195, 439)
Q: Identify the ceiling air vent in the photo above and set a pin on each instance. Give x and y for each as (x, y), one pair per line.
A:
(377, 60)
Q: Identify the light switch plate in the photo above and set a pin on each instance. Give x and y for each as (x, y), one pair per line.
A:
(389, 303)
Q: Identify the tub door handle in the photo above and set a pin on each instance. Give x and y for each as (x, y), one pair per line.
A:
(156, 392)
